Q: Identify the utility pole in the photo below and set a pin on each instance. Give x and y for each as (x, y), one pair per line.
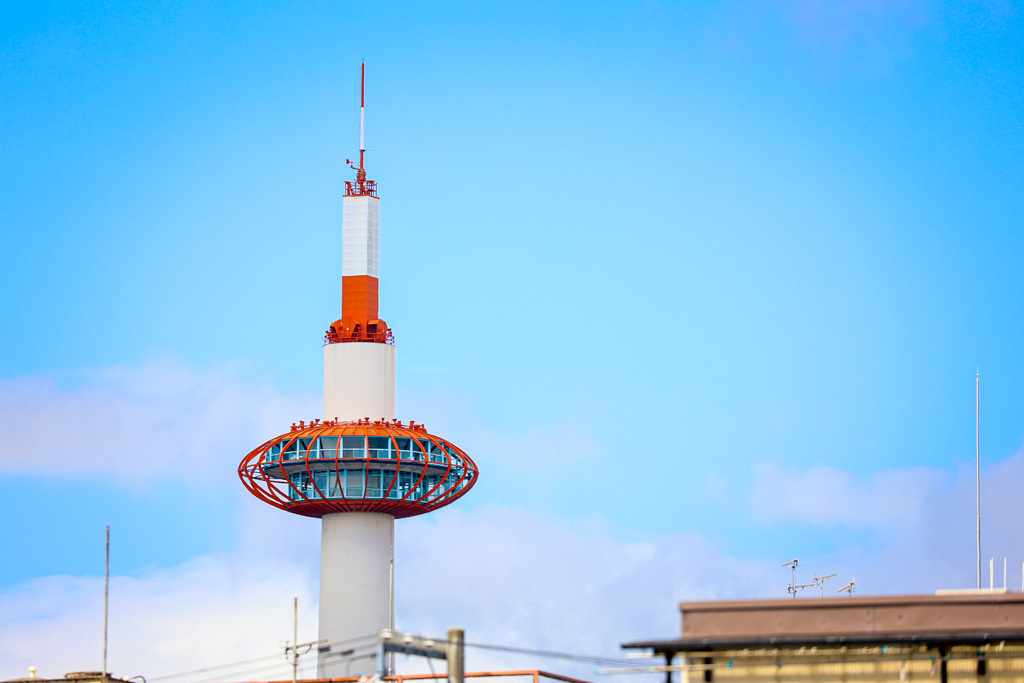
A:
(295, 640)
(456, 655)
(294, 647)
(451, 650)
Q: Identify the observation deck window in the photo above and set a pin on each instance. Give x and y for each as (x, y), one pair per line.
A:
(315, 468)
(328, 447)
(436, 452)
(373, 481)
(291, 451)
(405, 448)
(353, 447)
(380, 447)
(320, 478)
(274, 454)
(417, 450)
(406, 480)
(354, 483)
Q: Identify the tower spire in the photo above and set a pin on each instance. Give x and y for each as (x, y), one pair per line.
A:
(360, 321)
(361, 187)
(362, 119)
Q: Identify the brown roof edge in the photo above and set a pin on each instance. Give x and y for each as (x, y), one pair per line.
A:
(965, 597)
(935, 639)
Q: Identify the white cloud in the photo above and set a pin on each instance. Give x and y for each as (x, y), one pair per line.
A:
(508, 577)
(826, 496)
(210, 610)
(517, 578)
(559, 444)
(140, 424)
(920, 521)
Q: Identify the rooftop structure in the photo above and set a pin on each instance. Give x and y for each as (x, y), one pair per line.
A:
(357, 468)
(518, 676)
(74, 677)
(953, 636)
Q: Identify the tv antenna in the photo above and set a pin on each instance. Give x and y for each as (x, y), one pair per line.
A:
(792, 564)
(793, 588)
(819, 581)
(848, 588)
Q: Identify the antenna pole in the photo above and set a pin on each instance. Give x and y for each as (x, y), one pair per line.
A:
(295, 640)
(106, 599)
(977, 462)
(362, 117)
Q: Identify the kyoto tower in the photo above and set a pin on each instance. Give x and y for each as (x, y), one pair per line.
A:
(358, 468)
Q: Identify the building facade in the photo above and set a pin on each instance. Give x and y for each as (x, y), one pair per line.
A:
(955, 636)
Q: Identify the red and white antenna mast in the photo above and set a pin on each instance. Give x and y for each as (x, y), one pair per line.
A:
(361, 186)
(362, 118)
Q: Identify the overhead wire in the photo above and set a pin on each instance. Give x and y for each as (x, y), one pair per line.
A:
(229, 665)
(361, 644)
(283, 667)
(590, 659)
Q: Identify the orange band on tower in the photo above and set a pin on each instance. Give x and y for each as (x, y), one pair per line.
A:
(359, 298)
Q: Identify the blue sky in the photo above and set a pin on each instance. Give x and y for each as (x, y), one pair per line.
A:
(718, 270)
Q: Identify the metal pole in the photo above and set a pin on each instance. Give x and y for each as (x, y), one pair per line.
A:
(362, 116)
(455, 655)
(389, 665)
(977, 462)
(295, 640)
(106, 601)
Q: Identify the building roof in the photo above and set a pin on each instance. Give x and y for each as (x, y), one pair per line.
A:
(951, 617)
(517, 676)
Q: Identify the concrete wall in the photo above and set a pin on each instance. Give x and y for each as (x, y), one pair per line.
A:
(359, 381)
(356, 591)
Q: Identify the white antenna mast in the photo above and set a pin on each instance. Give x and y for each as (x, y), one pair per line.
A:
(792, 586)
(362, 117)
(819, 581)
(848, 588)
(977, 460)
(106, 601)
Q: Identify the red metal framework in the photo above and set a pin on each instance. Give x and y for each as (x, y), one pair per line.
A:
(348, 330)
(311, 470)
(360, 187)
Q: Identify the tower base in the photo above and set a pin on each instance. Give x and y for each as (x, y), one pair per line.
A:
(356, 590)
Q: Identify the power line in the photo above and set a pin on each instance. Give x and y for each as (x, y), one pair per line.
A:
(360, 644)
(281, 666)
(213, 668)
(551, 653)
(257, 659)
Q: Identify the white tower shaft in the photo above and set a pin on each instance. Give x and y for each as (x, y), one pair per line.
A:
(357, 548)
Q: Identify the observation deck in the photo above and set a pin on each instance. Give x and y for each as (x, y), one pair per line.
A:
(362, 466)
